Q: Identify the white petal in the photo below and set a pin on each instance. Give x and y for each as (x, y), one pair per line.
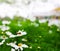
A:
(12, 49)
(3, 41)
(3, 38)
(8, 33)
(5, 22)
(21, 48)
(13, 45)
(25, 46)
(42, 21)
(4, 28)
(12, 36)
(23, 33)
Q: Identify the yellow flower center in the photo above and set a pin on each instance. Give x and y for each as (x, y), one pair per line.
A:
(20, 44)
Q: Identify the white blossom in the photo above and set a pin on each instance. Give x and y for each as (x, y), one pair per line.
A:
(13, 45)
(2, 42)
(12, 49)
(20, 45)
(21, 33)
(24, 39)
(50, 31)
(4, 28)
(42, 21)
(10, 34)
(5, 22)
(54, 22)
(3, 37)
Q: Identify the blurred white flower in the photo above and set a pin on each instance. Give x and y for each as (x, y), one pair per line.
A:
(3, 37)
(17, 47)
(24, 39)
(12, 45)
(5, 22)
(50, 31)
(12, 49)
(42, 21)
(4, 28)
(10, 34)
(2, 42)
(53, 22)
(21, 33)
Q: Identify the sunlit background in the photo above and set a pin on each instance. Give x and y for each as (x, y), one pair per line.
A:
(28, 8)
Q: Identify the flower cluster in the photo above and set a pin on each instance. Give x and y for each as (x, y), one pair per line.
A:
(18, 47)
(6, 34)
(26, 35)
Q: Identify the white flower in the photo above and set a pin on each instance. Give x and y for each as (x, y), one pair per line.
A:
(13, 45)
(12, 49)
(21, 33)
(24, 39)
(54, 22)
(5, 22)
(3, 37)
(2, 42)
(4, 28)
(20, 45)
(10, 34)
(42, 21)
(50, 31)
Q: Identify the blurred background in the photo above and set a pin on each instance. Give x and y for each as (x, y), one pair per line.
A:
(29, 8)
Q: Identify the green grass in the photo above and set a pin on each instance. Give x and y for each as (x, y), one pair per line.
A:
(36, 36)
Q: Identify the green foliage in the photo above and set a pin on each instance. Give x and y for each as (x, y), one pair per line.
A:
(38, 37)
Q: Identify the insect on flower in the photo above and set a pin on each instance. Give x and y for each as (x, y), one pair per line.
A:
(21, 33)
